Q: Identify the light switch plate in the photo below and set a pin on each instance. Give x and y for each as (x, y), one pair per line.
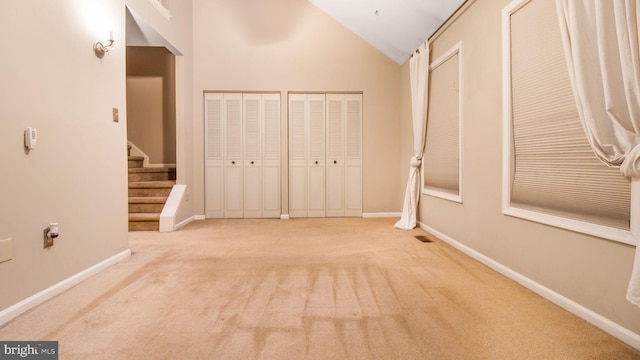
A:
(6, 250)
(114, 112)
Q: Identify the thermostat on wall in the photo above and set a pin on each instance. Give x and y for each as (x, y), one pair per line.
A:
(30, 138)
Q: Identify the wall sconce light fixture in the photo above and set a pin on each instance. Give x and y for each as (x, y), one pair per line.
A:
(100, 49)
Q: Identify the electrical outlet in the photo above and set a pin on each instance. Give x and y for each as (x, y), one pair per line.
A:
(114, 112)
(48, 242)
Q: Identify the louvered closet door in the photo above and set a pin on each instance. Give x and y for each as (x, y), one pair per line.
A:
(252, 114)
(325, 155)
(353, 151)
(233, 165)
(335, 155)
(271, 156)
(307, 155)
(298, 179)
(261, 113)
(316, 156)
(344, 155)
(214, 179)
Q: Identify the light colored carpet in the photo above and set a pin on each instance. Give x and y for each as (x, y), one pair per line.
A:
(305, 289)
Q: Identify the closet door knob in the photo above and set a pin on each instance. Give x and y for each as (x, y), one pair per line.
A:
(316, 162)
(251, 162)
(233, 163)
(335, 161)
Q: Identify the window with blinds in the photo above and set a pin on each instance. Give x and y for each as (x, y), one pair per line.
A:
(551, 174)
(441, 159)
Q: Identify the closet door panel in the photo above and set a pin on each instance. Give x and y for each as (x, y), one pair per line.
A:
(271, 156)
(335, 190)
(316, 159)
(298, 182)
(325, 155)
(353, 138)
(271, 199)
(233, 186)
(214, 193)
(214, 184)
(297, 191)
(335, 155)
(316, 191)
(353, 206)
(252, 191)
(252, 144)
(233, 156)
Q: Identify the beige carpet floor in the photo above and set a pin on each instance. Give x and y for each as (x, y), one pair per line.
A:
(305, 289)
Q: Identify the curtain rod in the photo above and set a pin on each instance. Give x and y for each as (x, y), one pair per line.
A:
(452, 18)
(445, 25)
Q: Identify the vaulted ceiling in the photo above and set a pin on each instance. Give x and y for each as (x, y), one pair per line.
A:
(394, 27)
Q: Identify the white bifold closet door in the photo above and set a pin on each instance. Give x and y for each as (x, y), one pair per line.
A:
(344, 155)
(261, 155)
(242, 146)
(325, 162)
(232, 160)
(306, 155)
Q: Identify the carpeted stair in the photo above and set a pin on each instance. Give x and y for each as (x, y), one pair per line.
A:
(149, 188)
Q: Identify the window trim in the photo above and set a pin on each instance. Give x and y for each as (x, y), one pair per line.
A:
(624, 236)
(455, 49)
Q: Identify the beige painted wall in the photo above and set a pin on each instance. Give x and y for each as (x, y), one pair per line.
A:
(77, 175)
(590, 271)
(290, 45)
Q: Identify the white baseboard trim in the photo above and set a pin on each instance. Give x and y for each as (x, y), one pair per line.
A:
(623, 334)
(32, 301)
(284, 217)
(382, 215)
(188, 220)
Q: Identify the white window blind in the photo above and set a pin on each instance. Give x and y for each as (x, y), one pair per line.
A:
(554, 170)
(441, 159)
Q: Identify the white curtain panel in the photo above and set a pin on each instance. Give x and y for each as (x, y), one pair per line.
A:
(419, 74)
(600, 39)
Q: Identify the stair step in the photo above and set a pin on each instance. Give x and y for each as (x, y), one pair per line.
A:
(147, 199)
(151, 184)
(145, 208)
(150, 188)
(152, 169)
(144, 217)
(144, 226)
(152, 174)
(143, 204)
(135, 161)
(144, 222)
(148, 191)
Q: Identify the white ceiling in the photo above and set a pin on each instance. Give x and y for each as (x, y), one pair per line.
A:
(394, 27)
